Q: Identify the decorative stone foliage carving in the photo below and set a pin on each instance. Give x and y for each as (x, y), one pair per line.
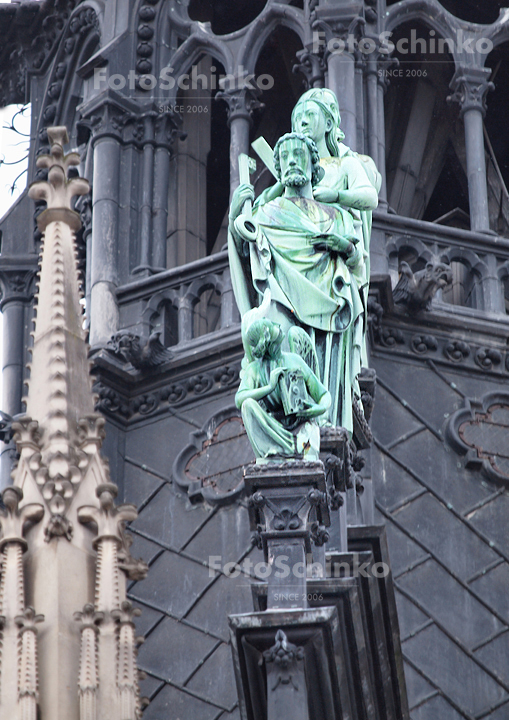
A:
(174, 394)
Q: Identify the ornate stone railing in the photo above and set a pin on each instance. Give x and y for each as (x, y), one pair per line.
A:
(183, 304)
(480, 261)
(196, 300)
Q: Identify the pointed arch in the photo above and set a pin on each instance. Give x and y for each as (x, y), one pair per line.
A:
(264, 25)
(197, 44)
(80, 39)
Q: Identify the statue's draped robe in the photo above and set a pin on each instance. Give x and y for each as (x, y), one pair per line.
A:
(310, 284)
(359, 175)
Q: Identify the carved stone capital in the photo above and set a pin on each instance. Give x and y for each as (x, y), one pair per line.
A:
(312, 65)
(167, 128)
(241, 97)
(112, 115)
(384, 63)
(469, 88)
(339, 23)
(16, 282)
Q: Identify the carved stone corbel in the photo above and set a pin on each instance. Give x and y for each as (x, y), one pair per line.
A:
(286, 681)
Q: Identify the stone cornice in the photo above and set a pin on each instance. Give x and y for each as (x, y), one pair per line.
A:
(201, 369)
(479, 347)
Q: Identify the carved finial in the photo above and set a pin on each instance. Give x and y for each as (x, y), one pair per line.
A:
(28, 620)
(108, 518)
(286, 658)
(13, 519)
(59, 389)
(58, 190)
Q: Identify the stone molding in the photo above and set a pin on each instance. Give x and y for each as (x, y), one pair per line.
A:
(478, 431)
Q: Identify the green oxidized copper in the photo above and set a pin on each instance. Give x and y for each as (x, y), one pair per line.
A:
(279, 397)
(305, 245)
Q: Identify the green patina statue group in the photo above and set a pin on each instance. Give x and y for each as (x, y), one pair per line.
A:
(299, 262)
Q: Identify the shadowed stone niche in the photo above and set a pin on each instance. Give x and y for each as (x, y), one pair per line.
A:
(211, 467)
(480, 431)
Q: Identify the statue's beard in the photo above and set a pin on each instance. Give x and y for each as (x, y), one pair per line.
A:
(294, 178)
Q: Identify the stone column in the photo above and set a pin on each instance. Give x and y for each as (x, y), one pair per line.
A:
(470, 86)
(337, 29)
(147, 185)
(492, 288)
(107, 124)
(16, 286)
(165, 133)
(371, 75)
(360, 63)
(341, 73)
(242, 99)
(187, 196)
(382, 88)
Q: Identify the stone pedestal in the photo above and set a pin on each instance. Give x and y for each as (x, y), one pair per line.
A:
(285, 664)
(288, 509)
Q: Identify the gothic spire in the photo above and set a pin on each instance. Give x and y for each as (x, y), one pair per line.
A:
(59, 393)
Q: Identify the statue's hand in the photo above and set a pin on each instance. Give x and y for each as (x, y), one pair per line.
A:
(275, 375)
(313, 411)
(270, 193)
(354, 257)
(325, 194)
(243, 193)
(335, 243)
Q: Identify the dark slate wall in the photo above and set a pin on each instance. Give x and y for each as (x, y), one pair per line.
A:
(186, 654)
(448, 541)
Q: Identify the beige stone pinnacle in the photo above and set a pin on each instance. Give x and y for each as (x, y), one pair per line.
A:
(63, 546)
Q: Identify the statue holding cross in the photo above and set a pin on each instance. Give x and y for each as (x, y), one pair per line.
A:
(310, 255)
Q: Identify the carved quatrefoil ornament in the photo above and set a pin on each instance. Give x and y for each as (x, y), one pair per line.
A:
(480, 431)
(210, 468)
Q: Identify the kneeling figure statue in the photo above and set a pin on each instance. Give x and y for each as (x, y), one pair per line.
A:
(279, 397)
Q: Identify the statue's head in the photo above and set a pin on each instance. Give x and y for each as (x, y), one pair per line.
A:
(297, 161)
(316, 115)
(264, 337)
